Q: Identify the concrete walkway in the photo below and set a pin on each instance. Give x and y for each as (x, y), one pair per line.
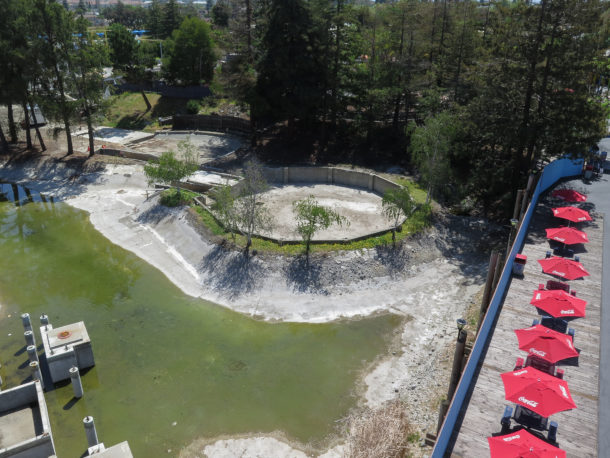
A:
(599, 195)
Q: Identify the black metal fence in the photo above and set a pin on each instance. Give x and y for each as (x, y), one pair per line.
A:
(212, 122)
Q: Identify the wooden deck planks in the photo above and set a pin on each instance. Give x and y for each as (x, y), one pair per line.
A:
(577, 432)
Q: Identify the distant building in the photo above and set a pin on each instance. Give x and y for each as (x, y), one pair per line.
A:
(98, 4)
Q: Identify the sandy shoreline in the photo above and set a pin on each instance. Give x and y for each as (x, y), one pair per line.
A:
(423, 285)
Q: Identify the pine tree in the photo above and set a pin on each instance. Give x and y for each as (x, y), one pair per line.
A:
(532, 93)
(171, 18)
(191, 59)
(86, 70)
(155, 19)
(122, 46)
(53, 49)
(289, 85)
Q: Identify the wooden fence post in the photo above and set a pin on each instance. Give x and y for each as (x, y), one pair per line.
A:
(493, 260)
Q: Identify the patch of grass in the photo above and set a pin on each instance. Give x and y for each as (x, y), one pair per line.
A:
(417, 192)
(417, 222)
(210, 105)
(472, 314)
(413, 438)
(210, 222)
(128, 110)
(174, 197)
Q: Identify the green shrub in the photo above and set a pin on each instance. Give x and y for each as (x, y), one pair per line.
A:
(420, 218)
(209, 101)
(174, 197)
(192, 106)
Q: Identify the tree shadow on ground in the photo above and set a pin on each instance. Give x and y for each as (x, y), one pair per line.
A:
(466, 241)
(132, 122)
(394, 258)
(155, 214)
(304, 274)
(231, 273)
(55, 178)
(168, 106)
(223, 146)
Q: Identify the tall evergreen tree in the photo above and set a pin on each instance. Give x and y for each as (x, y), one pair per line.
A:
(533, 97)
(54, 46)
(171, 18)
(122, 46)
(288, 85)
(154, 22)
(12, 59)
(86, 72)
(81, 8)
(191, 57)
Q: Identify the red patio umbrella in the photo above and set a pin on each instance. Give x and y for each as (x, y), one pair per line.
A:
(558, 303)
(562, 267)
(550, 345)
(566, 235)
(535, 390)
(522, 444)
(569, 195)
(574, 214)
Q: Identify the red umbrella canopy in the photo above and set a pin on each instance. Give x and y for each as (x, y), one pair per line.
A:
(558, 303)
(569, 195)
(574, 214)
(537, 391)
(562, 267)
(567, 235)
(521, 444)
(546, 343)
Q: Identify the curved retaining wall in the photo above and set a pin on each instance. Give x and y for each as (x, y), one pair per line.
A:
(212, 122)
(327, 175)
(131, 154)
(551, 174)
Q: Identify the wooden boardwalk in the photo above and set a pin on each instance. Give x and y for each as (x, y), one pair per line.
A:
(577, 432)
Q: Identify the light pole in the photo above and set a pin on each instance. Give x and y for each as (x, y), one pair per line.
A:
(458, 357)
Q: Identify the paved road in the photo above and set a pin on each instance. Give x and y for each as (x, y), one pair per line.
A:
(599, 194)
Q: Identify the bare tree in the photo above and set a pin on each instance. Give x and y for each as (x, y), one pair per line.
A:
(225, 209)
(252, 215)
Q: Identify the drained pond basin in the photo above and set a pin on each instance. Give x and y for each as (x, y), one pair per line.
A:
(169, 368)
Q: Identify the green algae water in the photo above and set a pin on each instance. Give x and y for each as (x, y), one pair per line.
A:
(169, 368)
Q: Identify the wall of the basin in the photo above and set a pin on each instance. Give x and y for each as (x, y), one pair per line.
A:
(326, 175)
